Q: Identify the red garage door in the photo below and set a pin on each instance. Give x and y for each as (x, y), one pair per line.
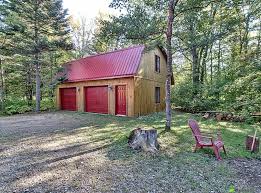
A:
(68, 99)
(96, 99)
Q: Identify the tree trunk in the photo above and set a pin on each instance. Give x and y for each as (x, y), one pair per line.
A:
(211, 65)
(195, 61)
(219, 59)
(38, 83)
(37, 62)
(258, 41)
(2, 91)
(195, 72)
(52, 63)
(246, 34)
(172, 4)
(144, 139)
(29, 86)
(203, 66)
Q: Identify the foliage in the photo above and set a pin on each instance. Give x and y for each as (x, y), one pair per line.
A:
(36, 32)
(193, 103)
(19, 105)
(82, 32)
(14, 106)
(215, 45)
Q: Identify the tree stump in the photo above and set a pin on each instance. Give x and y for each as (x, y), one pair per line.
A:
(144, 139)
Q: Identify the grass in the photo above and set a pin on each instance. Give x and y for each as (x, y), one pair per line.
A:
(98, 147)
(189, 172)
(179, 139)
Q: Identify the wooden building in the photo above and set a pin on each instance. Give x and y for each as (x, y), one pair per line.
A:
(129, 82)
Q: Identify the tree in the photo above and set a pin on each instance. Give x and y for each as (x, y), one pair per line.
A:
(82, 32)
(172, 5)
(37, 26)
(142, 24)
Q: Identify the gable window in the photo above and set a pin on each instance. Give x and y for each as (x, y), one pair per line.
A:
(157, 63)
(157, 94)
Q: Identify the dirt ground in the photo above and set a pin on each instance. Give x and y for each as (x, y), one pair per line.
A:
(55, 152)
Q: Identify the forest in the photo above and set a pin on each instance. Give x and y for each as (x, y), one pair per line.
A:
(213, 47)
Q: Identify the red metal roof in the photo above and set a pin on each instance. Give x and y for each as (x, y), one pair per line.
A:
(118, 63)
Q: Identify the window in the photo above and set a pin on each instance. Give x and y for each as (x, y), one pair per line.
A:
(157, 94)
(157, 63)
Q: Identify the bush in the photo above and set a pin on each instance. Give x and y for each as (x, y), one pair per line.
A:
(241, 96)
(47, 104)
(184, 96)
(18, 106)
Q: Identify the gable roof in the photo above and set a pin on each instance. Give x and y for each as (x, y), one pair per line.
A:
(118, 63)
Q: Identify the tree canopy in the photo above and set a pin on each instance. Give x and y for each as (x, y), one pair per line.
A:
(215, 46)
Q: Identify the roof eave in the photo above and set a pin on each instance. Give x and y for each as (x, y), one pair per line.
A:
(100, 78)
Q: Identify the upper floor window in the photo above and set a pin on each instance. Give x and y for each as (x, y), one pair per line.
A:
(157, 63)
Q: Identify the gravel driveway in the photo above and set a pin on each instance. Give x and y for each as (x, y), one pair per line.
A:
(45, 152)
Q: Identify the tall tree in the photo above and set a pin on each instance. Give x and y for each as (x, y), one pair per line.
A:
(82, 31)
(169, 33)
(38, 26)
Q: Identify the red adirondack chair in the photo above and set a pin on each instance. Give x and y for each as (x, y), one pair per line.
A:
(206, 140)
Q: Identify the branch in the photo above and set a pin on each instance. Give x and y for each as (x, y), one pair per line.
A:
(194, 7)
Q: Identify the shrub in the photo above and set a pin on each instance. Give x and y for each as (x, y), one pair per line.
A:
(16, 106)
(47, 104)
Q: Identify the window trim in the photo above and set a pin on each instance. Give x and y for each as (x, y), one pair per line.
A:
(157, 63)
(157, 95)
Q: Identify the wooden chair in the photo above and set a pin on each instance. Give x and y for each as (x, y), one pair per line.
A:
(206, 140)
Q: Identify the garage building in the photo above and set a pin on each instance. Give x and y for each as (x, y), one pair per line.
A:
(128, 82)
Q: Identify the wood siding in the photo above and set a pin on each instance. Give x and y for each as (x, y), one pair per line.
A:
(145, 82)
(80, 98)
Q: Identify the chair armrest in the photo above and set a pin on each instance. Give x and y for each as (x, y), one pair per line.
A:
(206, 137)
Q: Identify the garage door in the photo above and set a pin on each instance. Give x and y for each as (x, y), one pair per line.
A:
(68, 99)
(96, 99)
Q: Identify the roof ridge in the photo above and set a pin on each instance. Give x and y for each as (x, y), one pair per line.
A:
(110, 52)
(114, 51)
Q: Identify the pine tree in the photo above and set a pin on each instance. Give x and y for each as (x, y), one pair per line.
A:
(38, 26)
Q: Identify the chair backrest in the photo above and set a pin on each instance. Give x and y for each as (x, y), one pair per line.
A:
(195, 129)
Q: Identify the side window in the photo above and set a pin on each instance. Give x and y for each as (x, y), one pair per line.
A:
(157, 63)
(157, 94)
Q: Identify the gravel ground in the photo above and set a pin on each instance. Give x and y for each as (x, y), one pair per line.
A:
(56, 152)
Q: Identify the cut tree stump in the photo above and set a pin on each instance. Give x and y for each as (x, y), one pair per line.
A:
(144, 139)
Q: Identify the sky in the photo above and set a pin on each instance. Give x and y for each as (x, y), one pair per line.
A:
(87, 8)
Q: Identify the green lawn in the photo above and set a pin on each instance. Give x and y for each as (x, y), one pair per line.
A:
(180, 139)
(176, 166)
